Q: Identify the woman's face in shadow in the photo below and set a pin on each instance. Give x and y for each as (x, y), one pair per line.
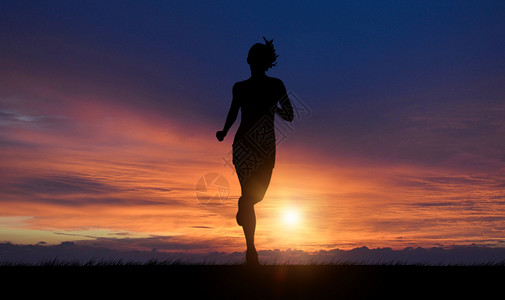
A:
(256, 57)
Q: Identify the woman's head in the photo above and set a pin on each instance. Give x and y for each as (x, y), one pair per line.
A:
(262, 56)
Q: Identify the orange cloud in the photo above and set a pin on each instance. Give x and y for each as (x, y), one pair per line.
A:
(88, 164)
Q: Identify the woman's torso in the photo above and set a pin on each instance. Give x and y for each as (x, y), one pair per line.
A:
(257, 98)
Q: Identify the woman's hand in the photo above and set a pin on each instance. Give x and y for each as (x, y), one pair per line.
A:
(220, 135)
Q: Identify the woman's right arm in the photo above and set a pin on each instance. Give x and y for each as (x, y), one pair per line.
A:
(232, 115)
(286, 109)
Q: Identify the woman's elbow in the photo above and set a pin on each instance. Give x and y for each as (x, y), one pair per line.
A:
(288, 118)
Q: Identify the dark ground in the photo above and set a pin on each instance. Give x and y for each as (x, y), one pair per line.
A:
(264, 282)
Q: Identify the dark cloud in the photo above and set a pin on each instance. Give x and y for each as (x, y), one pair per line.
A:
(161, 243)
(6, 142)
(75, 190)
(438, 204)
(444, 183)
(33, 121)
(155, 189)
(64, 184)
(72, 252)
(7, 117)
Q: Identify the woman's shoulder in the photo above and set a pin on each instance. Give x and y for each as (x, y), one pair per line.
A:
(276, 82)
(239, 84)
(269, 78)
(272, 82)
(274, 79)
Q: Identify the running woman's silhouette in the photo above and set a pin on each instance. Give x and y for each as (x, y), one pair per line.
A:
(258, 98)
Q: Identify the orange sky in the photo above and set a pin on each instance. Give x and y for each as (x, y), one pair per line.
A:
(102, 173)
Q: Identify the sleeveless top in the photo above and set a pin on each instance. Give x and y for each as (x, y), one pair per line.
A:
(254, 143)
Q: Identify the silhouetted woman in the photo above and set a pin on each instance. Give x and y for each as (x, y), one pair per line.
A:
(258, 98)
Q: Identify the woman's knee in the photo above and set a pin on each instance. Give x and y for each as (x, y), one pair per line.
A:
(251, 199)
(246, 202)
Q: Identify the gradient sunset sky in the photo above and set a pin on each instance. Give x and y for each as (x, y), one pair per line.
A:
(108, 114)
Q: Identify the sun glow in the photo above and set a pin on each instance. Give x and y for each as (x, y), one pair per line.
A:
(291, 217)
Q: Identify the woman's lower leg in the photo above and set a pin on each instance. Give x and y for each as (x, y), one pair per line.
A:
(249, 227)
(247, 219)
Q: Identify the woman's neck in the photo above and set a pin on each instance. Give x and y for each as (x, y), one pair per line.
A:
(257, 72)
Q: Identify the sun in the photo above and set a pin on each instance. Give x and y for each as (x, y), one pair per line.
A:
(291, 217)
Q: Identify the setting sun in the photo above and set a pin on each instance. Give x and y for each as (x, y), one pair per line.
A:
(291, 217)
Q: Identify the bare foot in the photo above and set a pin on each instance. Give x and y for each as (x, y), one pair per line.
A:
(251, 257)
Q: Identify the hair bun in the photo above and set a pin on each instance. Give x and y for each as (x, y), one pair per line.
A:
(271, 56)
